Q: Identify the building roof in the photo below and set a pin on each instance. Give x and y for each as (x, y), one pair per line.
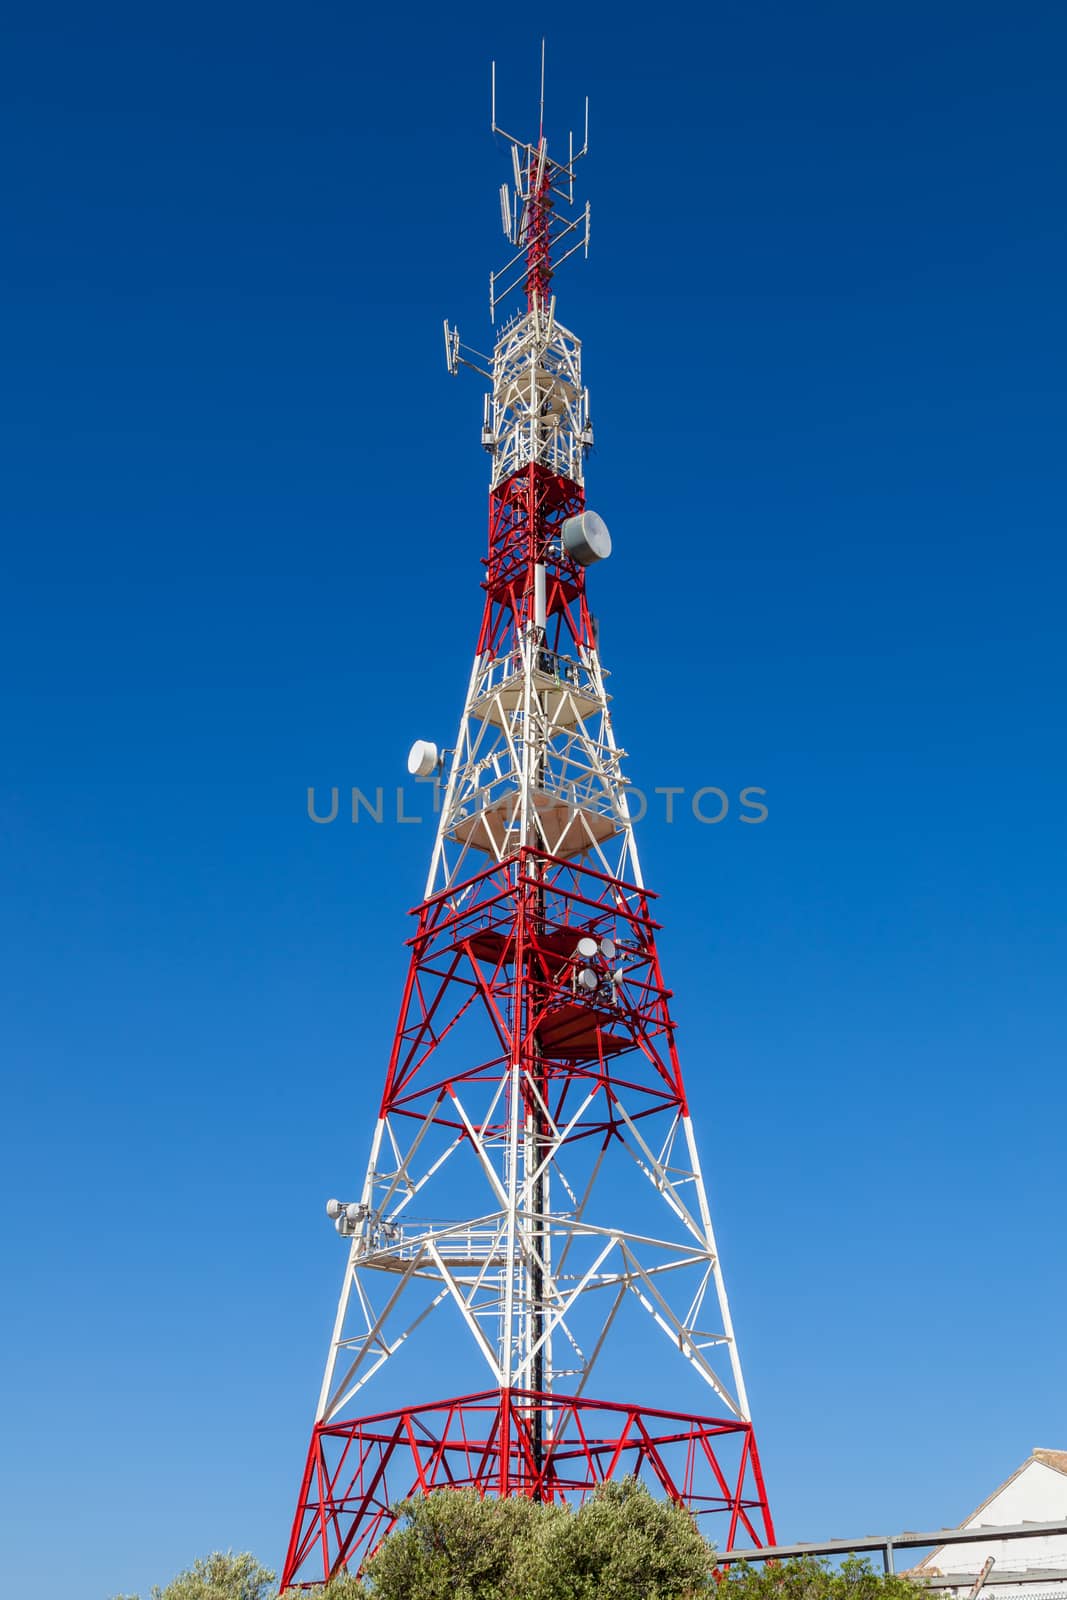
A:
(1056, 1459)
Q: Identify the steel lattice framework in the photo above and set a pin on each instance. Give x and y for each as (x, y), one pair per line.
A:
(533, 1170)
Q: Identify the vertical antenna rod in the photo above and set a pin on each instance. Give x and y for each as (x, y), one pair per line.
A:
(541, 122)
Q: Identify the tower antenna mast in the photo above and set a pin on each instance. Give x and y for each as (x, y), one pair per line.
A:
(533, 1191)
(541, 122)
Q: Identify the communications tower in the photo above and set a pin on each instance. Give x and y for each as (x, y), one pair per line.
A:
(533, 1212)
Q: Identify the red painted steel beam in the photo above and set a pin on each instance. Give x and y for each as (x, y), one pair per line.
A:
(357, 1469)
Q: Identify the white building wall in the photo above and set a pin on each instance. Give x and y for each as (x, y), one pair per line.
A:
(1038, 1493)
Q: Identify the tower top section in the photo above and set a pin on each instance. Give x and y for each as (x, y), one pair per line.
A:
(537, 411)
(537, 211)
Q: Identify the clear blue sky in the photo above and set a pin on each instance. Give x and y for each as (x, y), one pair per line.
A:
(243, 509)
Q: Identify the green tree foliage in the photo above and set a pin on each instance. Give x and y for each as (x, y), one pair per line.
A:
(808, 1579)
(218, 1577)
(454, 1545)
(344, 1587)
(620, 1545)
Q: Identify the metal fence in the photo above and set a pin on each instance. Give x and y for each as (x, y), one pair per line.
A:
(888, 1544)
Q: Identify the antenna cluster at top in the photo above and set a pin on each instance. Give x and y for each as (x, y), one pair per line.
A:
(529, 208)
(536, 225)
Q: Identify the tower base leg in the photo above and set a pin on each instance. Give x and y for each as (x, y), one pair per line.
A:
(356, 1470)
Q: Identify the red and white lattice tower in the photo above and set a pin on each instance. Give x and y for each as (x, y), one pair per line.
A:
(533, 1173)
